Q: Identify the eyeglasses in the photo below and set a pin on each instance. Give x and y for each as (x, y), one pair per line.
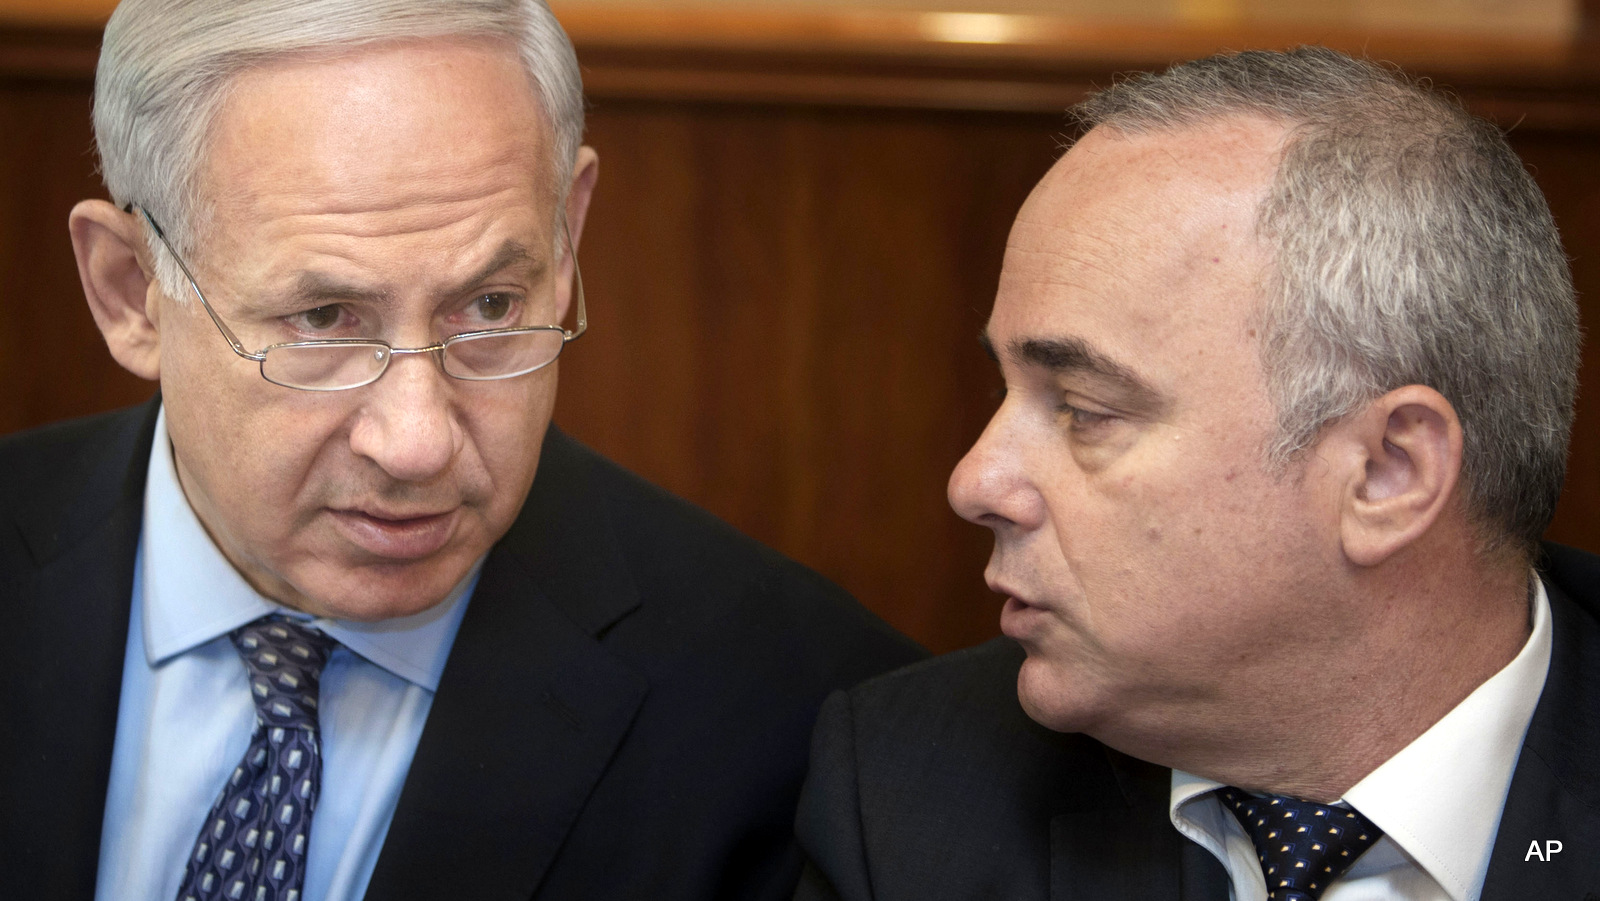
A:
(337, 364)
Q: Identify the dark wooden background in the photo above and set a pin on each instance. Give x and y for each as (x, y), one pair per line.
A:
(796, 237)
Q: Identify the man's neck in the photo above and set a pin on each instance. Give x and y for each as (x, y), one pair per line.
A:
(1330, 719)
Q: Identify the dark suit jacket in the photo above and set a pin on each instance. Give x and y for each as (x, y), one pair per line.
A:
(624, 713)
(932, 783)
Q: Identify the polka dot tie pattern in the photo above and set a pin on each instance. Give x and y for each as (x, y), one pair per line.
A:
(252, 846)
(1303, 846)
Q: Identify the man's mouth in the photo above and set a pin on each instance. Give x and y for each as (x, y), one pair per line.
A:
(397, 534)
(1019, 619)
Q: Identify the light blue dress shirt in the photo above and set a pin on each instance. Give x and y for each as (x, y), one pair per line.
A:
(186, 715)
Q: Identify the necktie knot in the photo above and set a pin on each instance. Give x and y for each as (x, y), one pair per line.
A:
(285, 661)
(1302, 845)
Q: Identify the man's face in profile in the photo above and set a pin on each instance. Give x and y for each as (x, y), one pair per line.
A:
(1149, 555)
(402, 193)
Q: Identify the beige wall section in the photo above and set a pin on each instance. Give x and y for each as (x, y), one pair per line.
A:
(1550, 18)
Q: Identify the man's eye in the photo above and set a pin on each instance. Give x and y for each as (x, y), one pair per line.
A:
(1084, 419)
(493, 307)
(319, 319)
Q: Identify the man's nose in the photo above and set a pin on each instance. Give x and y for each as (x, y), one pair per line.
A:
(407, 423)
(991, 485)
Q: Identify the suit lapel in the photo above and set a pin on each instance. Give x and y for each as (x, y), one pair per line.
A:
(1108, 854)
(1204, 878)
(1555, 789)
(530, 707)
(82, 529)
(1130, 849)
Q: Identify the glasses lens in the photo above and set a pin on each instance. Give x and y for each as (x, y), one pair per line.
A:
(499, 355)
(325, 367)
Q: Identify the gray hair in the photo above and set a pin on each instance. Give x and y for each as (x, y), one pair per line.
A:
(1411, 247)
(166, 67)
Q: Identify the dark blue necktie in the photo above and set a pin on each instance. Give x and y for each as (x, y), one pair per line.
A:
(1302, 845)
(252, 846)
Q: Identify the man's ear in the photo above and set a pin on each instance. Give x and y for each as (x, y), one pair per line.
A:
(584, 174)
(108, 245)
(1404, 459)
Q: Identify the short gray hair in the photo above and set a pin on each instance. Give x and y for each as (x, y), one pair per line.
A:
(1411, 247)
(166, 67)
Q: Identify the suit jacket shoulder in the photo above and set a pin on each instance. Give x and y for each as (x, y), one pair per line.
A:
(61, 480)
(70, 502)
(1555, 788)
(627, 705)
(933, 782)
(675, 590)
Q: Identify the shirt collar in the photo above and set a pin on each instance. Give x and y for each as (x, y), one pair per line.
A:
(192, 594)
(1440, 798)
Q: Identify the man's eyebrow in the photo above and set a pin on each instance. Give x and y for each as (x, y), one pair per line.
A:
(1074, 355)
(511, 253)
(988, 346)
(318, 288)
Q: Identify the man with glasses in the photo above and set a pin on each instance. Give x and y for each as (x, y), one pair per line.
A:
(309, 625)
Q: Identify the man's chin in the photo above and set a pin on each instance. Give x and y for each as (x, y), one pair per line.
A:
(373, 593)
(368, 611)
(1054, 697)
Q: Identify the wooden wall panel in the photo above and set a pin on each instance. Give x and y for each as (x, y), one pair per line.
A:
(53, 363)
(1568, 169)
(784, 309)
(789, 256)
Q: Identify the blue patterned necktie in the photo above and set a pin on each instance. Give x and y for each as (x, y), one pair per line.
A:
(252, 846)
(1302, 845)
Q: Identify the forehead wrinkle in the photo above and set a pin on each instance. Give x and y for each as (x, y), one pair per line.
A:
(354, 110)
(1093, 261)
(370, 212)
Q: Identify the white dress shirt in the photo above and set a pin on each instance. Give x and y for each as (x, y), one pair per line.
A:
(1438, 801)
(186, 714)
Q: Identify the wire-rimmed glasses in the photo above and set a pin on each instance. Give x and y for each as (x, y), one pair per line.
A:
(337, 364)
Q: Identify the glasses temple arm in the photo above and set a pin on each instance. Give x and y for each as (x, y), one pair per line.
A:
(227, 333)
(577, 286)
